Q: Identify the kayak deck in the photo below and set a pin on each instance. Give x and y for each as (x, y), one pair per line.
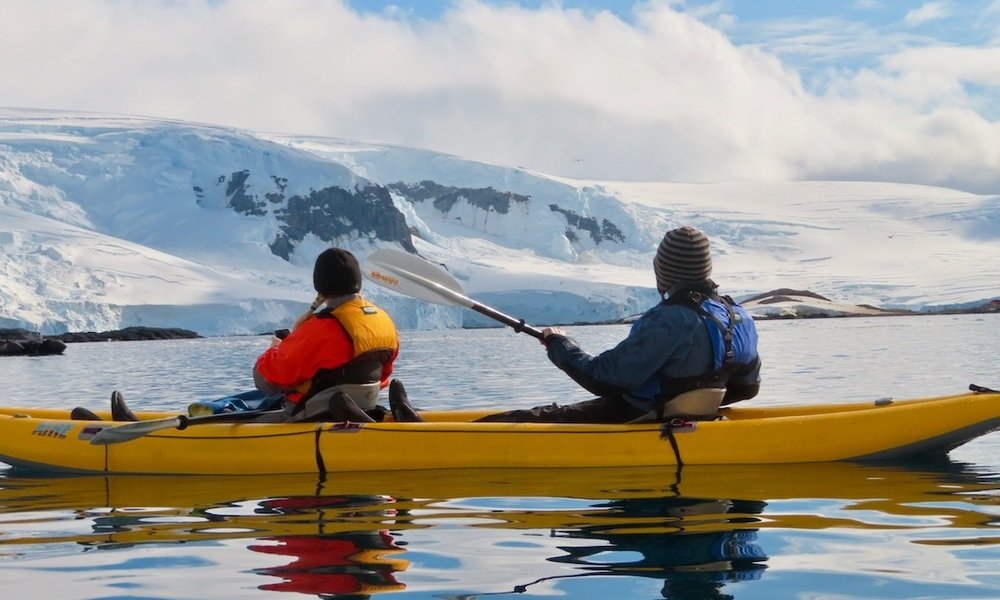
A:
(47, 440)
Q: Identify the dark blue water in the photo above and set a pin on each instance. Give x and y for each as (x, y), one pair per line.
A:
(796, 531)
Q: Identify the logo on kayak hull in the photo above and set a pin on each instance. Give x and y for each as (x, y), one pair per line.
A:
(53, 430)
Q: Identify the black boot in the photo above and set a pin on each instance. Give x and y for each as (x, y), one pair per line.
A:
(344, 408)
(337, 408)
(119, 410)
(83, 414)
(402, 411)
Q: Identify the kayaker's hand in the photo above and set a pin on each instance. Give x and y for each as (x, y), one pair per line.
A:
(551, 331)
(279, 334)
(319, 300)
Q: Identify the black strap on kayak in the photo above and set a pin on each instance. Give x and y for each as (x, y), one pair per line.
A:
(320, 465)
(667, 431)
(981, 390)
(675, 487)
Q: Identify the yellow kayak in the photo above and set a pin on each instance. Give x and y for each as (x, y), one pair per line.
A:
(162, 443)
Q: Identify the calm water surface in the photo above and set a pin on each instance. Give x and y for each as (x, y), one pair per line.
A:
(811, 531)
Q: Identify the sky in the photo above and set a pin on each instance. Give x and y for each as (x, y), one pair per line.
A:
(682, 91)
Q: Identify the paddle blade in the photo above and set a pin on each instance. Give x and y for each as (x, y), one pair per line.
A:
(415, 277)
(131, 431)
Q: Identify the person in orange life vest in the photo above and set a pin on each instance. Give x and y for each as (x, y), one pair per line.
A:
(342, 339)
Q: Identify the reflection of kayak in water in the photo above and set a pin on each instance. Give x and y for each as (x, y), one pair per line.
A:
(46, 439)
(390, 499)
(695, 528)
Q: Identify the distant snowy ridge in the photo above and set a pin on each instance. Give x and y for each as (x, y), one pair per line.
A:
(108, 222)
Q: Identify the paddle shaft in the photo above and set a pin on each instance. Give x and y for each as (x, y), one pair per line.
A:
(186, 421)
(411, 275)
(517, 324)
(138, 429)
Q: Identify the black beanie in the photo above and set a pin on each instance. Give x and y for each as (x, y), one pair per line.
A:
(684, 255)
(336, 273)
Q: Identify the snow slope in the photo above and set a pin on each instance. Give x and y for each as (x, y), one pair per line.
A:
(110, 221)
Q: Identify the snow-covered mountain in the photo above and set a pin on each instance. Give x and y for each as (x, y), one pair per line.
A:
(109, 221)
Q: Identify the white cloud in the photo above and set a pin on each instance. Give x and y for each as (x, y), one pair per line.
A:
(660, 96)
(930, 11)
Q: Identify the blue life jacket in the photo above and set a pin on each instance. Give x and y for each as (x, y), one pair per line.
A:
(732, 333)
(731, 329)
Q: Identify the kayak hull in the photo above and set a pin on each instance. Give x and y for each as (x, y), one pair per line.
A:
(47, 440)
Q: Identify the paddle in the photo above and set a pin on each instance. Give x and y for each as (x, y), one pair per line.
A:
(413, 276)
(138, 429)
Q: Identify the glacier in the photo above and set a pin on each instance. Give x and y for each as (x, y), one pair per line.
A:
(108, 221)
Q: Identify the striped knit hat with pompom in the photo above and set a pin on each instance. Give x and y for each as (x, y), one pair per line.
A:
(684, 255)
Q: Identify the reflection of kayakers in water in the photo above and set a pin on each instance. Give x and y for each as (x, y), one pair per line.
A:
(346, 563)
(356, 563)
(694, 565)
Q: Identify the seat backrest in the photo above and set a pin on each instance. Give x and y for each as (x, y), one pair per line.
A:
(365, 395)
(701, 402)
(698, 404)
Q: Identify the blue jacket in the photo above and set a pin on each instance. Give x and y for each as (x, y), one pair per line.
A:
(669, 341)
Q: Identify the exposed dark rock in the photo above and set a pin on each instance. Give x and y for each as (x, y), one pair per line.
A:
(128, 334)
(993, 306)
(446, 197)
(784, 292)
(18, 335)
(329, 213)
(599, 231)
(277, 197)
(21, 342)
(334, 212)
(239, 199)
(282, 246)
(804, 310)
(42, 348)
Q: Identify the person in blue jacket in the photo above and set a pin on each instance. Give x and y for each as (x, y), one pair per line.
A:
(694, 339)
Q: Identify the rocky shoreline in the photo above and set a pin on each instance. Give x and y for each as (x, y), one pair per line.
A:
(783, 303)
(128, 334)
(789, 304)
